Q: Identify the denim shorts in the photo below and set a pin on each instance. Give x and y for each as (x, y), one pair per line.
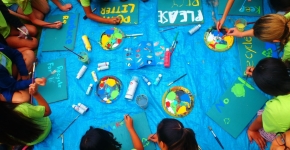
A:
(13, 7)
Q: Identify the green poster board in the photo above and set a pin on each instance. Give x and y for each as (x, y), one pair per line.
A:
(243, 7)
(237, 107)
(56, 39)
(252, 50)
(179, 12)
(122, 135)
(128, 11)
(56, 84)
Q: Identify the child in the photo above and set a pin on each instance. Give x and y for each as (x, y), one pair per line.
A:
(40, 7)
(96, 138)
(25, 123)
(11, 89)
(281, 142)
(270, 28)
(278, 5)
(34, 15)
(272, 77)
(171, 135)
(14, 37)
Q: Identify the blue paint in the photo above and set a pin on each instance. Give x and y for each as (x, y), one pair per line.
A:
(221, 104)
(185, 98)
(109, 32)
(108, 90)
(101, 92)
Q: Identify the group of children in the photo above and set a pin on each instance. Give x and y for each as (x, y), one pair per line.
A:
(17, 41)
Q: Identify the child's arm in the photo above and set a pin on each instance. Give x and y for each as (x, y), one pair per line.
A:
(237, 33)
(39, 22)
(226, 11)
(65, 7)
(254, 134)
(40, 100)
(97, 18)
(135, 139)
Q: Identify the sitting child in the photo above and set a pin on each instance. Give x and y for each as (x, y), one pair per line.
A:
(171, 135)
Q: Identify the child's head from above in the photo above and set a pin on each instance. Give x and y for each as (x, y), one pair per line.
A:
(271, 76)
(173, 136)
(280, 5)
(96, 138)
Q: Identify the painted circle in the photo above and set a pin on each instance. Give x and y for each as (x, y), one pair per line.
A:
(178, 101)
(218, 41)
(111, 38)
(109, 89)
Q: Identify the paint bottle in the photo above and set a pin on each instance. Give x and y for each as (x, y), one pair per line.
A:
(87, 42)
(82, 71)
(132, 88)
(146, 80)
(103, 64)
(167, 58)
(194, 29)
(83, 107)
(78, 109)
(94, 75)
(89, 89)
(157, 80)
(103, 68)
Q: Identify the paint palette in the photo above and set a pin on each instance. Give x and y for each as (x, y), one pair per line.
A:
(218, 41)
(109, 89)
(177, 101)
(111, 38)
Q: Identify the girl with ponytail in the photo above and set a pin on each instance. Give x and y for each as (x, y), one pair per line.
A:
(171, 135)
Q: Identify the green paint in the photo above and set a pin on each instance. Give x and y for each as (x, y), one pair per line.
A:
(268, 52)
(171, 95)
(114, 94)
(145, 142)
(118, 35)
(227, 120)
(173, 106)
(226, 101)
(245, 83)
(239, 90)
(221, 46)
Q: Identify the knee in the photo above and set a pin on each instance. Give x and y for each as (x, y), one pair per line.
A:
(21, 96)
(39, 16)
(28, 56)
(34, 43)
(32, 30)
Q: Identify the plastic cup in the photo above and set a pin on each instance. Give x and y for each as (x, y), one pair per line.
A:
(240, 24)
(142, 101)
(85, 58)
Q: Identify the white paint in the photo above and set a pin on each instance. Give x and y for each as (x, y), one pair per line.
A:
(171, 16)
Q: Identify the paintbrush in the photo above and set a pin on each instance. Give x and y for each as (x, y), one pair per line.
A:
(27, 35)
(53, 72)
(73, 52)
(32, 77)
(85, 17)
(62, 142)
(124, 118)
(176, 79)
(167, 29)
(152, 136)
(69, 125)
(133, 35)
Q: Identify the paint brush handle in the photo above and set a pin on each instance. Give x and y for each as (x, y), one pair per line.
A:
(69, 125)
(73, 52)
(130, 35)
(27, 35)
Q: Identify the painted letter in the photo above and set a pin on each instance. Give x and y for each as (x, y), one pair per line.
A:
(172, 16)
(133, 7)
(192, 15)
(162, 18)
(183, 13)
(221, 104)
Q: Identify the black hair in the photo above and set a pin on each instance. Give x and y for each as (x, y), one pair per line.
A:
(280, 5)
(15, 128)
(272, 77)
(172, 133)
(99, 139)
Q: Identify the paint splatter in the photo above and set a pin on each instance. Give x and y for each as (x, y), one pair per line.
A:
(111, 82)
(239, 90)
(171, 96)
(114, 94)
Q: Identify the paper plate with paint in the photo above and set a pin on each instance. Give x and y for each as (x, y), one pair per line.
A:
(109, 89)
(218, 41)
(111, 38)
(177, 101)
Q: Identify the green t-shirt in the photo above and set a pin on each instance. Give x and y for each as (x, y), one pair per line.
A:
(36, 113)
(24, 4)
(85, 3)
(4, 27)
(286, 55)
(275, 116)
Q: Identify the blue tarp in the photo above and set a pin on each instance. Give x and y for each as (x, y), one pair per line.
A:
(209, 74)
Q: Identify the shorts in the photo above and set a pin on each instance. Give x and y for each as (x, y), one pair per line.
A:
(13, 7)
(7, 95)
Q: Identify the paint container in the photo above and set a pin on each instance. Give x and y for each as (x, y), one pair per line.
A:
(89, 89)
(240, 24)
(146, 80)
(87, 42)
(132, 88)
(85, 57)
(103, 64)
(142, 101)
(78, 109)
(81, 72)
(194, 29)
(103, 68)
(167, 58)
(83, 107)
(94, 75)
(157, 80)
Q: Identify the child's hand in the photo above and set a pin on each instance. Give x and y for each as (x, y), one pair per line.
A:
(153, 138)
(33, 89)
(129, 122)
(66, 7)
(219, 24)
(115, 20)
(256, 136)
(235, 32)
(249, 71)
(40, 81)
(57, 25)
